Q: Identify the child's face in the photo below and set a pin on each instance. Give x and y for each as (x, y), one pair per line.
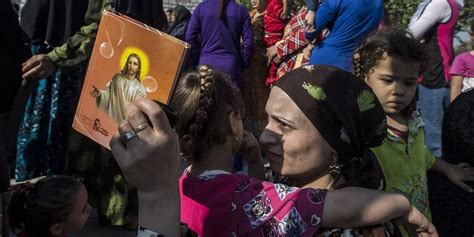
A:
(79, 213)
(393, 81)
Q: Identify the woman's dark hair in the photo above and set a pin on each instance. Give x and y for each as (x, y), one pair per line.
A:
(394, 43)
(125, 67)
(203, 100)
(181, 13)
(37, 207)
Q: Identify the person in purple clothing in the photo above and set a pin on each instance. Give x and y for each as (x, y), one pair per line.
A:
(348, 22)
(221, 25)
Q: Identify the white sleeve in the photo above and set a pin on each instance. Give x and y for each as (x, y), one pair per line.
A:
(435, 12)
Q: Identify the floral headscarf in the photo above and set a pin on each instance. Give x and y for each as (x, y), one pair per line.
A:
(347, 114)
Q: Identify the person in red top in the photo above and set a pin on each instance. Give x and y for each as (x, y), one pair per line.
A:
(275, 22)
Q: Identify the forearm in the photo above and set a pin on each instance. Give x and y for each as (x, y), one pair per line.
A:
(160, 212)
(441, 166)
(355, 207)
(456, 87)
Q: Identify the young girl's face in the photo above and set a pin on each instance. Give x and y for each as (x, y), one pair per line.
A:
(393, 81)
(79, 213)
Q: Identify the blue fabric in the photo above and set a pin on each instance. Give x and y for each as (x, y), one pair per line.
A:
(431, 104)
(348, 21)
(43, 135)
(220, 45)
(312, 5)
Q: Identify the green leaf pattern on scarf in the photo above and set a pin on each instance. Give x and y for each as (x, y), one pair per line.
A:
(315, 91)
(365, 101)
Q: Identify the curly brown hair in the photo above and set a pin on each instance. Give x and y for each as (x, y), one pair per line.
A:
(391, 42)
(203, 100)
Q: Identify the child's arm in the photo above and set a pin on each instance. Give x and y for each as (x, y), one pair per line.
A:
(458, 174)
(456, 86)
(324, 16)
(355, 207)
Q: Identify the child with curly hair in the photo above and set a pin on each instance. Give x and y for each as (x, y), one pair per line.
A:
(390, 62)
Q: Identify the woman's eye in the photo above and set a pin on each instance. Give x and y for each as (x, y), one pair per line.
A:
(284, 125)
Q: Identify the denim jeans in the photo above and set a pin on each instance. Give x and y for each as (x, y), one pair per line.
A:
(431, 104)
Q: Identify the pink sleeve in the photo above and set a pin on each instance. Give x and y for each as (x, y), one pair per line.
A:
(458, 67)
(266, 209)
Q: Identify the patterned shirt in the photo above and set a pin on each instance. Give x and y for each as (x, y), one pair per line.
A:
(223, 204)
(293, 43)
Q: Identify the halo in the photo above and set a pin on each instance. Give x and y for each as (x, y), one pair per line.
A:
(143, 57)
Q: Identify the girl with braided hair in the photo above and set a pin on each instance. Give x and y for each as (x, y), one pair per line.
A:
(390, 61)
(309, 138)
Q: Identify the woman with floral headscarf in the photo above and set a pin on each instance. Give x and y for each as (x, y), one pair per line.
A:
(321, 125)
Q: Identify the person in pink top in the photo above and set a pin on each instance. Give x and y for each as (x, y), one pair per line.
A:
(462, 71)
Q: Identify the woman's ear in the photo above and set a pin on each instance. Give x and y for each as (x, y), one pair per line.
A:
(56, 229)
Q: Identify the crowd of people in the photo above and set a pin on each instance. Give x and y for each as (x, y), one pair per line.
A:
(319, 121)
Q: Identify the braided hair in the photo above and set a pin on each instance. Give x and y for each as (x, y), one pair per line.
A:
(394, 43)
(204, 100)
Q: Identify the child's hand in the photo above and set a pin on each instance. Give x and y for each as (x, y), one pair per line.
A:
(460, 173)
(271, 53)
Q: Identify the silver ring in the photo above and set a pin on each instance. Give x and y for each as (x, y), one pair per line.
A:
(129, 136)
(141, 127)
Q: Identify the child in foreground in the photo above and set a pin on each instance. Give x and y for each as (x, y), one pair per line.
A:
(53, 207)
